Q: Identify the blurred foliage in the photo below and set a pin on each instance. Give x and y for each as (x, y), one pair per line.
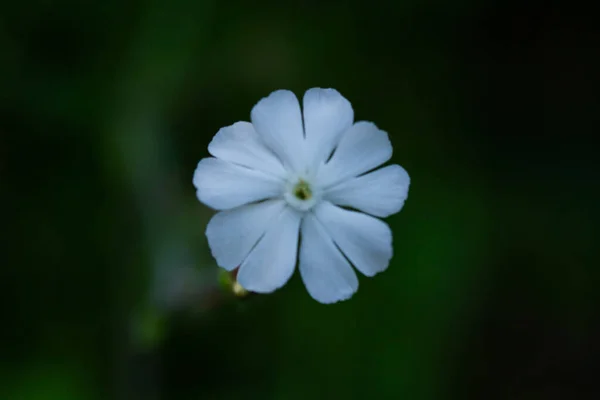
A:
(107, 284)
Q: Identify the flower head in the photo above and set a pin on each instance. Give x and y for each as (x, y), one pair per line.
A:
(297, 187)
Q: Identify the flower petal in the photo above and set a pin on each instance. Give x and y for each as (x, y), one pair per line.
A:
(380, 193)
(327, 115)
(278, 121)
(362, 148)
(239, 144)
(222, 185)
(327, 275)
(271, 263)
(233, 233)
(366, 241)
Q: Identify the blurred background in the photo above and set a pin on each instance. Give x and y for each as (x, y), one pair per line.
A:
(107, 286)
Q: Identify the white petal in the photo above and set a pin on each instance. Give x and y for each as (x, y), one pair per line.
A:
(327, 114)
(362, 148)
(380, 193)
(366, 241)
(222, 185)
(327, 275)
(278, 121)
(239, 144)
(271, 263)
(233, 233)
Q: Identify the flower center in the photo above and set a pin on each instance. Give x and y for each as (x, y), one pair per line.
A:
(300, 194)
(302, 190)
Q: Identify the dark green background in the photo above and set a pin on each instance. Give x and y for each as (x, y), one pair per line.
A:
(107, 106)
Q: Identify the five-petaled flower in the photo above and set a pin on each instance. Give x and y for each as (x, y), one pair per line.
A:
(297, 186)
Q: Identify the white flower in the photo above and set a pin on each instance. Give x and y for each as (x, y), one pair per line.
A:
(284, 184)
